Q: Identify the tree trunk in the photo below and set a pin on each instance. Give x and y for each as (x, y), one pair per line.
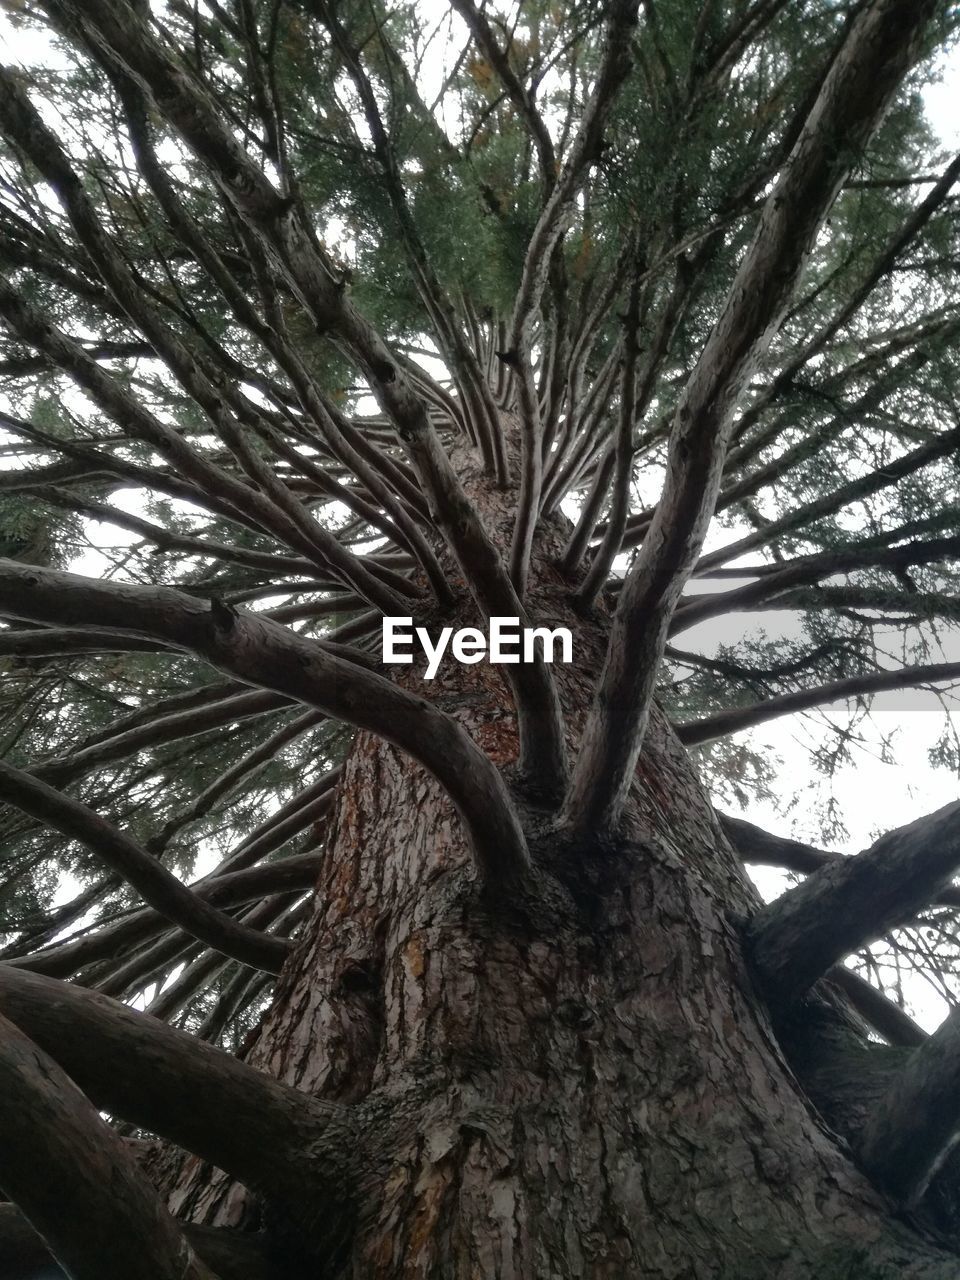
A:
(579, 1081)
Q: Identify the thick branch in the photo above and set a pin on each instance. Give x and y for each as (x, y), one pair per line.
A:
(75, 1181)
(916, 1124)
(261, 652)
(284, 1144)
(232, 1255)
(158, 886)
(759, 848)
(838, 909)
(66, 641)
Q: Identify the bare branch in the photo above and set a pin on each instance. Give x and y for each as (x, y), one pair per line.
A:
(880, 47)
(158, 886)
(232, 1255)
(692, 732)
(916, 1123)
(290, 1147)
(261, 652)
(74, 1180)
(836, 910)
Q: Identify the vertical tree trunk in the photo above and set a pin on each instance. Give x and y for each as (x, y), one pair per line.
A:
(582, 1083)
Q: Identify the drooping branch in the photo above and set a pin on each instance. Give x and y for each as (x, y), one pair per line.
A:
(159, 888)
(892, 606)
(880, 47)
(36, 931)
(74, 1180)
(692, 732)
(121, 406)
(98, 463)
(797, 938)
(116, 938)
(916, 1124)
(261, 652)
(166, 540)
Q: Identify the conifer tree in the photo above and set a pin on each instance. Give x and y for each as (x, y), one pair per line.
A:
(622, 317)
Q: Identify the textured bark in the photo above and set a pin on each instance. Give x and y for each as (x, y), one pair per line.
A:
(575, 1081)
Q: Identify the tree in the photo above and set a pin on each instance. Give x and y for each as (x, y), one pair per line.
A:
(616, 317)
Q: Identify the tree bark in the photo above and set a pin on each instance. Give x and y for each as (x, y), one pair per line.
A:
(577, 1079)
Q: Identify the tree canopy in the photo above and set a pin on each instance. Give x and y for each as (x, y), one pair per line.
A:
(285, 284)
